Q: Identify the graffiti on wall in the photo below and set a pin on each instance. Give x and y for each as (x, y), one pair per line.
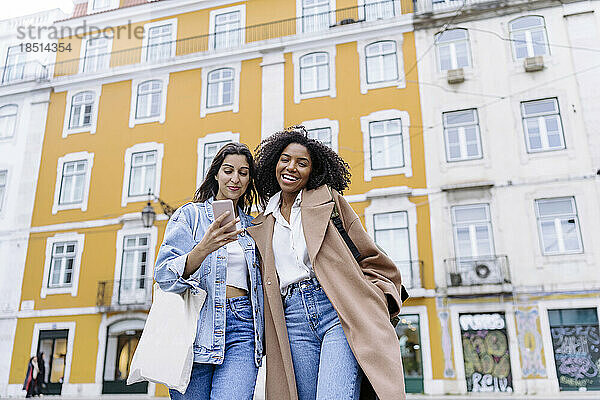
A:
(486, 353)
(577, 355)
(530, 343)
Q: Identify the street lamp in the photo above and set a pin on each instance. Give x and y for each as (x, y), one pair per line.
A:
(148, 214)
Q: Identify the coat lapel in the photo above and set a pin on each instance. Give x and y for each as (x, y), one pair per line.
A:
(316, 208)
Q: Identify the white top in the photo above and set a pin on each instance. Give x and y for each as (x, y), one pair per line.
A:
(289, 246)
(237, 271)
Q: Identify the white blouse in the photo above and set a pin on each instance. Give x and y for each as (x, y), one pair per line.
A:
(237, 270)
(289, 245)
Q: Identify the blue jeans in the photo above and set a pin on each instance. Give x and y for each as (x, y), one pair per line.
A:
(324, 365)
(235, 378)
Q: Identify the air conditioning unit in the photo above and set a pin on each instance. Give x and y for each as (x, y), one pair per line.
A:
(456, 75)
(347, 21)
(533, 64)
(482, 273)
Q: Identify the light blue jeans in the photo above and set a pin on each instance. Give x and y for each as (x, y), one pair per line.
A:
(236, 377)
(324, 365)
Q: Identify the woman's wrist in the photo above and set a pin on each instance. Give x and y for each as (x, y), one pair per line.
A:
(194, 260)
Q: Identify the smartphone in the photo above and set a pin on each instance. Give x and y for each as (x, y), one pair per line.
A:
(219, 207)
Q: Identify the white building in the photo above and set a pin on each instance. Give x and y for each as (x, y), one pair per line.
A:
(509, 96)
(23, 109)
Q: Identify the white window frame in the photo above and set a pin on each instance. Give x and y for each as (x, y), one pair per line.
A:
(83, 51)
(50, 242)
(131, 229)
(382, 115)
(111, 5)
(472, 234)
(135, 83)
(52, 326)
(528, 39)
(332, 91)
(139, 148)
(364, 4)
(212, 25)
(542, 127)
(235, 106)
(334, 125)
(462, 139)
(361, 45)
(5, 190)
(452, 45)
(150, 25)
(82, 155)
(211, 138)
(14, 71)
(97, 90)
(558, 227)
(16, 120)
(300, 15)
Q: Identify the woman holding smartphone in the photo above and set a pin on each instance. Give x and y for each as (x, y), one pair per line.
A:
(200, 251)
(327, 316)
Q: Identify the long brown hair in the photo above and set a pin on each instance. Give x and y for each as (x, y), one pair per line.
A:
(210, 186)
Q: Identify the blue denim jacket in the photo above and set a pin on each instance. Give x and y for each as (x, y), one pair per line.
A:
(179, 240)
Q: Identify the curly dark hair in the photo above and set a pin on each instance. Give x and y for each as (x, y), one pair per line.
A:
(328, 168)
(210, 187)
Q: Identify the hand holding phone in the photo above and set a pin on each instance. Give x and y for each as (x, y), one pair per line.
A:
(220, 207)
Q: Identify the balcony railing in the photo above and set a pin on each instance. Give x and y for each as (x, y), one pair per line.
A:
(235, 38)
(22, 72)
(488, 270)
(411, 272)
(429, 6)
(125, 293)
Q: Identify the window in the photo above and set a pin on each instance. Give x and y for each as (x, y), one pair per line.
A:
(81, 114)
(461, 132)
(391, 233)
(528, 37)
(8, 121)
(143, 173)
(453, 49)
(62, 264)
(323, 135)
(53, 343)
(100, 4)
(3, 184)
(208, 147)
(382, 64)
(134, 286)
(386, 144)
(408, 331)
(82, 106)
(227, 30)
(558, 226)
(14, 68)
(73, 175)
(314, 72)
(160, 44)
(97, 54)
(377, 9)
(149, 99)
(73, 182)
(542, 125)
(143, 167)
(473, 238)
(315, 15)
(220, 87)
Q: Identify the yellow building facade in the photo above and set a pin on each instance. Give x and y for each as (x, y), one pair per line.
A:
(142, 104)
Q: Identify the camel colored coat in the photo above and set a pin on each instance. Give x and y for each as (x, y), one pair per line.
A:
(364, 296)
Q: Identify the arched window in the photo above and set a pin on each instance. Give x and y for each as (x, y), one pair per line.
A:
(314, 72)
(149, 99)
(220, 87)
(453, 49)
(82, 107)
(528, 36)
(8, 120)
(382, 62)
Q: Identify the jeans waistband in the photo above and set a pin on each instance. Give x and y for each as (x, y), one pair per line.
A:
(239, 299)
(303, 284)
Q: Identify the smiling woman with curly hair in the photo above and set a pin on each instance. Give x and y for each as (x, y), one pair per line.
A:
(327, 309)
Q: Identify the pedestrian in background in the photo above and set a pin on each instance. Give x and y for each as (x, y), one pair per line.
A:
(197, 252)
(327, 316)
(31, 378)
